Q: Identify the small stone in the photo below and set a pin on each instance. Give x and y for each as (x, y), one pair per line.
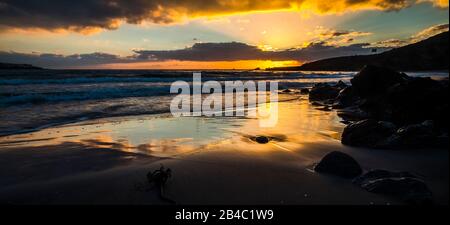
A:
(262, 139)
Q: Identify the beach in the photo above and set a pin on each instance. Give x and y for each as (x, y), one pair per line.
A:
(214, 161)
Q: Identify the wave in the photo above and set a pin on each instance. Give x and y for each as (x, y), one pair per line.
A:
(139, 79)
(93, 94)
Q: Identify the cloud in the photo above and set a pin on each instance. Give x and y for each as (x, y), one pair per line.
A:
(234, 51)
(92, 15)
(337, 37)
(200, 52)
(420, 36)
(49, 60)
(429, 32)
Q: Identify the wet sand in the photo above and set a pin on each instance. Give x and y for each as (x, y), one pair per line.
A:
(214, 161)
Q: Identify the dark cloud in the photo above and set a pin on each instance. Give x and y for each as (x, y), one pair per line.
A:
(107, 14)
(49, 60)
(205, 52)
(239, 51)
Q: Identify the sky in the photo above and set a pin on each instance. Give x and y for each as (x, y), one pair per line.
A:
(208, 34)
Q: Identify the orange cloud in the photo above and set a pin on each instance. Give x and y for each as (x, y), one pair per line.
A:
(87, 16)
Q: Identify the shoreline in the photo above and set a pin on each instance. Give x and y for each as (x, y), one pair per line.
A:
(105, 162)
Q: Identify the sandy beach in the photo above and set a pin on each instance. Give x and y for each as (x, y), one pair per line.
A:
(214, 161)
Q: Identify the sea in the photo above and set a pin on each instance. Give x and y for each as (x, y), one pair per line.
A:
(35, 99)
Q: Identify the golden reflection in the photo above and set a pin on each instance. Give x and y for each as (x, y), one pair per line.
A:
(206, 65)
(299, 123)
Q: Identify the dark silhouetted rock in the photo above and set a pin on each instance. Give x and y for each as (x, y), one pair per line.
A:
(323, 92)
(304, 91)
(262, 139)
(346, 98)
(367, 133)
(352, 114)
(373, 81)
(417, 100)
(286, 91)
(402, 185)
(417, 136)
(340, 164)
(341, 84)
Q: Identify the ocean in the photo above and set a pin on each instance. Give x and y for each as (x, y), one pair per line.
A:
(36, 99)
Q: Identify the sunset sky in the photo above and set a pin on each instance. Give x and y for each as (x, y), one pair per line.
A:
(208, 34)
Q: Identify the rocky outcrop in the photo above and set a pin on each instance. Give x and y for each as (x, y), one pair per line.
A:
(382, 134)
(373, 81)
(387, 109)
(326, 93)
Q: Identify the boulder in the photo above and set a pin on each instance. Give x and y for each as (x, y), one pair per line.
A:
(339, 164)
(304, 91)
(352, 114)
(367, 133)
(417, 136)
(417, 100)
(403, 185)
(346, 98)
(341, 84)
(374, 80)
(385, 95)
(323, 92)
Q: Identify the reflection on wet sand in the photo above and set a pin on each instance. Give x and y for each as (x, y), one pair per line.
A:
(164, 136)
(214, 161)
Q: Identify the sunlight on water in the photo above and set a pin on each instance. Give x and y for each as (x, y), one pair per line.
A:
(164, 136)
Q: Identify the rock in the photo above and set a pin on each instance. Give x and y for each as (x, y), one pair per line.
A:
(385, 95)
(262, 139)
(352, 113)
(374, 80)
(417, 136)
(325, 108)
(402, 185)
(340, 164)
(417, 100)
(323, 92)
(286, 91)
(304, 91)
(380, 174)
(346, 98)
(367, 133)
(341, 84)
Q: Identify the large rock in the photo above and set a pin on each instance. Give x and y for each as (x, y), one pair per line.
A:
(417, 100)
(367, 133)
(417, 136)
(403, 185)
(385, 95)
(340, 164)
(304, 91)
(374, 80)
(323, 92)
(346, 98)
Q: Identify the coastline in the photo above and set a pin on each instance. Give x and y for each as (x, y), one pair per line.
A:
(105, 162)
